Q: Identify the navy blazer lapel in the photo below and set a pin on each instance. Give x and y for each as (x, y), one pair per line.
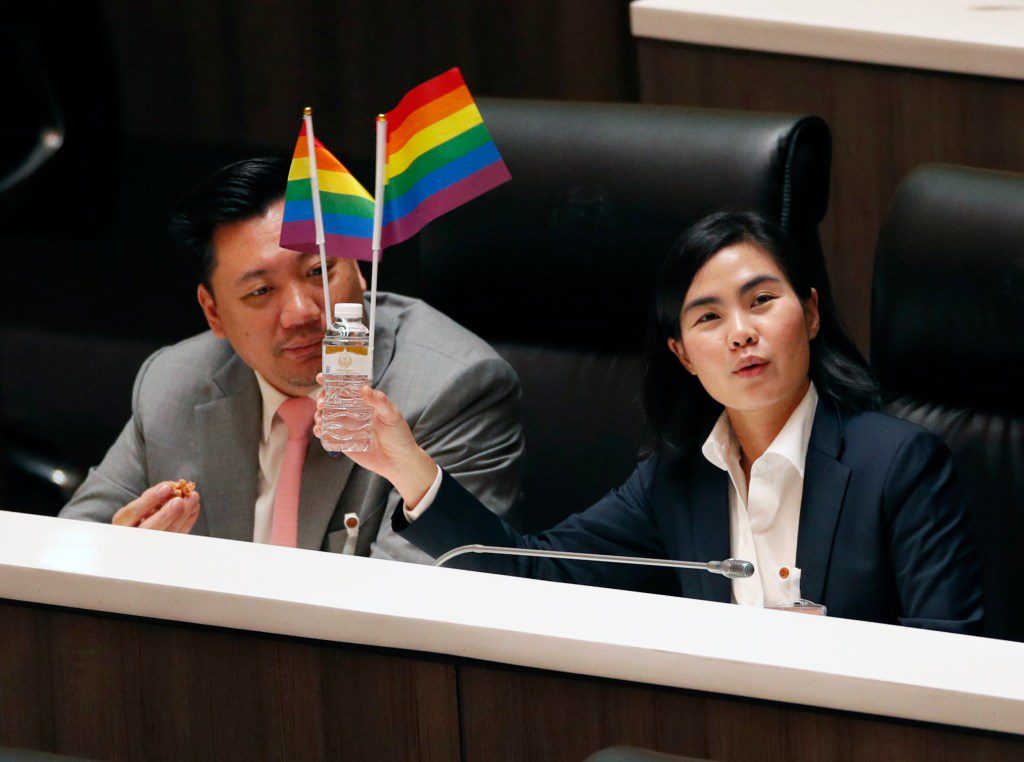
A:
(709, 509)
(825, 481)
(228, 434)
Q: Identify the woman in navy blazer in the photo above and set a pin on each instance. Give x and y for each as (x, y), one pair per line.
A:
(738, 326)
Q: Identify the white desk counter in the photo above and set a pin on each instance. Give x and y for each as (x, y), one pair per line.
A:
(839, 664)
(964, 36)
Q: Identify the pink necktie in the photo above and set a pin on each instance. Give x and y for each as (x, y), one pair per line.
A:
(297, 414)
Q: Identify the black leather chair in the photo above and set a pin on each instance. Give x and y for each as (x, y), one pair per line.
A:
(556, 267)
(947, 341)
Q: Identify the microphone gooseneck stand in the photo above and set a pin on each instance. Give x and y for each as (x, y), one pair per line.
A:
(733, 568)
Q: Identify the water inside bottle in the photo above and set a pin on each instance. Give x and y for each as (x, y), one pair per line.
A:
(347, 422)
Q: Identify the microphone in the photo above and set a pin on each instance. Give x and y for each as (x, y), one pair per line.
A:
(732, 568)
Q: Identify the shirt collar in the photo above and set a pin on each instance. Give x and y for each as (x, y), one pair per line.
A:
(791, 442)
(721, 447)
(272, 398)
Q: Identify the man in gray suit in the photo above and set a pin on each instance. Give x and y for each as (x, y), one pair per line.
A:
(204, 410)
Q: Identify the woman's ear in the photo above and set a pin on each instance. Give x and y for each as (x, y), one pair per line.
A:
(675, 346)
(811, 314)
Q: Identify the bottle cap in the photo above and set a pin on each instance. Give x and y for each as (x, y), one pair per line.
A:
(348, 311)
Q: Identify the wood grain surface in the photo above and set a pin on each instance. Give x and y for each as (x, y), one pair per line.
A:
(104, 687)
(512, 714)
(117, 688)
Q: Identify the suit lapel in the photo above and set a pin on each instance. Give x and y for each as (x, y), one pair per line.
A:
(710, 513)
(323, 478)
(324, 475)
(228, 431)
(384, 342)
(825, 481)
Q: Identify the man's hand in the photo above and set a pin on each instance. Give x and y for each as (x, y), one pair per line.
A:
(393, 451)
(157, 508)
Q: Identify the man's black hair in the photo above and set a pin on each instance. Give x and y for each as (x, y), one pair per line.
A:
(236, 192)
(678, 408)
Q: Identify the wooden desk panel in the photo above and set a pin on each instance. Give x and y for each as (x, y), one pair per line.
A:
(214, 649)
(511, 714)
(110, 687)
(106, 687)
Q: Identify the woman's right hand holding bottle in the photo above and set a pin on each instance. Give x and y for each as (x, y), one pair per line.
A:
(393, 451)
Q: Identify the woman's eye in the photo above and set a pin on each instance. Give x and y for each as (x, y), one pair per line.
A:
(763, 298)
(707, 317)
(316, 272)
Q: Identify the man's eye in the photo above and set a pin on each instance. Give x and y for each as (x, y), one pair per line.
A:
(763, 299)
(316, 272)
(261, 291)
(707, 317)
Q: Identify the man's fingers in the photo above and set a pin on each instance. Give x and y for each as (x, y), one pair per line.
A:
(190, 522)
(166, 516)
(320, 378)
(146, 503)
(188, 516)
(193, 515)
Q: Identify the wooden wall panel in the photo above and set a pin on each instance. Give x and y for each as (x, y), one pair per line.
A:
(885, 121)
(221, 72)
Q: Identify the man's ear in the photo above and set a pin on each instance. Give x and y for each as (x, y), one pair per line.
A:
(675, 346)
(209, 305)
(811, 314)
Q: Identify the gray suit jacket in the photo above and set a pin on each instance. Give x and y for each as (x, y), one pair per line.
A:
(196, 414)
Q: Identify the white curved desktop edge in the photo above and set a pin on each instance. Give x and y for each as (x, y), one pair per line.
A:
(834, 663)
(983, 37)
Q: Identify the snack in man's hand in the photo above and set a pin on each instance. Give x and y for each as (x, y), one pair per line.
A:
(183, 488)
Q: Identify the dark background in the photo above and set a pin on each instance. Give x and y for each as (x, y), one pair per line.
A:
(155, 95)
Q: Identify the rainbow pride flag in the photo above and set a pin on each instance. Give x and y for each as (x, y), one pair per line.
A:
(346, 206)
(439, 156)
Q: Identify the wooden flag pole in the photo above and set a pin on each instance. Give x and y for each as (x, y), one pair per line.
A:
(378, 218)
(318, 217)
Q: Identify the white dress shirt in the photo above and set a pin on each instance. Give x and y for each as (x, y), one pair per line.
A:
(273, 437)
(411, 514)
(764, 517)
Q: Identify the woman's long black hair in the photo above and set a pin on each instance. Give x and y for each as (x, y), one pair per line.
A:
(678, 408)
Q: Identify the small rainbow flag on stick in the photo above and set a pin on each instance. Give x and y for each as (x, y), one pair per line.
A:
(345, 206)
(439, 156)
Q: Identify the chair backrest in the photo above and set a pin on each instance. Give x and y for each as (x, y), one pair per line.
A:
(556, 268)
(947, 342)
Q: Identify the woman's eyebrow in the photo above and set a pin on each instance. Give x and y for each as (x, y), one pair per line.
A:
(757, 281)
(700, 301)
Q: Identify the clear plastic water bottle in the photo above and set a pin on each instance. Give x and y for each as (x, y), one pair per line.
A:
(347, 420)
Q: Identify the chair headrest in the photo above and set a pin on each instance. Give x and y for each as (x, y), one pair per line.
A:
(598, 194)
(947, 315)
